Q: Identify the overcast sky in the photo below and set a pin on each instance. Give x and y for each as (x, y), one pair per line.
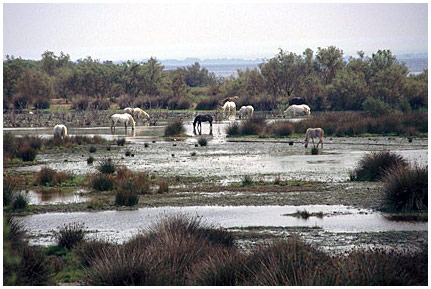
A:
(138, 31)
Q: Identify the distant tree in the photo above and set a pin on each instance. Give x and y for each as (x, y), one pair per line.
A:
(34, 84)
(329, 61)
(178, 86)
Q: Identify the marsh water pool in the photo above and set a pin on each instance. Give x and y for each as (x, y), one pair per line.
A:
(111, 225)
(222, 162)
(225, 159)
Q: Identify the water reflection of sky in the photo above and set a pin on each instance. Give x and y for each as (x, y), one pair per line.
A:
(111, 224)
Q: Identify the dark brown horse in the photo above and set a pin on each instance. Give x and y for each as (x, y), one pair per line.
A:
(202, 118)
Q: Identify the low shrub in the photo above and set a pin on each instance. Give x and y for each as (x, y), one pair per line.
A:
(88, 250)
(406, 189)
(102, 182)
(281, 128)
(372, 166)
(253, 126)
(70, 235)
(90, 160)
(165, 254)
(106, 166)
(121, 141)
(208, 104)
(174, 128)
(126, 198)
(80, 103)
(247, 181)
(49, 177)
(19, 201)
(9, 190)
(100, 104)
(289, 262)
(202, 141)
(163, 187)
(233, 129)
(27, 153)
(92, 149)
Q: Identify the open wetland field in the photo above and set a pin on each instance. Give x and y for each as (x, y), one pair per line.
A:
(260, 189)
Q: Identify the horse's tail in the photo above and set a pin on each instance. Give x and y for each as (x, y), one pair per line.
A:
(64, 131)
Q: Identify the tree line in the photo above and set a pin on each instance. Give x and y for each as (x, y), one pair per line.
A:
(324, 79)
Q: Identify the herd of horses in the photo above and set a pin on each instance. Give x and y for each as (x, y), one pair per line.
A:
(128, 117)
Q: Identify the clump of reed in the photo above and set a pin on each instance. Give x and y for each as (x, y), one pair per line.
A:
(406, 189)
(372, 166)
(23, 265)
(164, 255)
(247, 181)
(102, 182)
(202, 141)
(19, 201)
(70, 235)
(106, 166)
(49, 177)
(174, 128)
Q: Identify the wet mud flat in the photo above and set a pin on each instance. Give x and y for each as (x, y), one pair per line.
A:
(211, 176)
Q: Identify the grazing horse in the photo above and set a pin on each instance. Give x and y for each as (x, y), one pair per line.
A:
(229, 107)
(125, 118)
(128, 110)
(60, 130)
(202, 118)
(295, 110)
(138, 113)
(246, 111)
(312, 133)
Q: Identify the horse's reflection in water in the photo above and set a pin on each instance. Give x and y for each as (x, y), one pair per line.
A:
(202, 118)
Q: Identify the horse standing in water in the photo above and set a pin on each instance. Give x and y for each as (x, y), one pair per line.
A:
(125, 118)
(60, 131)
(312, 133)
(202, 118)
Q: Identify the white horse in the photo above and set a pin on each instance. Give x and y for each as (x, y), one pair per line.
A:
(60, 130)
(128, 110)
(246, 111)
(138, 113)
(229, 108)
(125, 118)
(295, 110)
(312, 133)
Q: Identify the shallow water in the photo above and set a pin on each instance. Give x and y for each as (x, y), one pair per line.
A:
(55, 197)
(227, 160)
(119, 226)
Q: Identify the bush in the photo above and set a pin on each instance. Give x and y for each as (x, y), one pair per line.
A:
(87, 251)
(132, 183)
(208, 104)
(127, 198)
(70, 235)
(289, 263)
(100, 104)
(27, 153)
(19, 202)
(376, 106)
(253, 126)
(102, 183)
(90, 160)
(164, 255)
(174, 128)
(406, 189)
(247, 181)
(163, 187)
(374, 165)
(45, 176)
(281, 128)
(233, 129)
(106, 166)
(41, 103)
(121, 141)
(9, 190)
(202, 141)
(80, 103)
(92, 149)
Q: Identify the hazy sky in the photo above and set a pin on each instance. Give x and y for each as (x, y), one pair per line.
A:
(137, 31)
